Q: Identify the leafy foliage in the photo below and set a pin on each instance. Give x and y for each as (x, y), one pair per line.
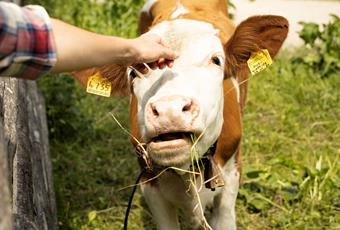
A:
(65, 120)
(231, 9)
(323, 46)
(113, 17)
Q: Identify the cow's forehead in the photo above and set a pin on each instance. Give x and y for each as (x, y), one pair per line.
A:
(196, 42)
(190, 38)
(184, 27)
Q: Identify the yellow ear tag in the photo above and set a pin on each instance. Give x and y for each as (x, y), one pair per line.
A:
(99, 85)
(259, 61)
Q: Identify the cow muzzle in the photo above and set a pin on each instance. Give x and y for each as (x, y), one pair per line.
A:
(171, 129)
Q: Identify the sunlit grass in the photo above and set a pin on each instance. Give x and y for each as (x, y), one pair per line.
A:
(290, 150)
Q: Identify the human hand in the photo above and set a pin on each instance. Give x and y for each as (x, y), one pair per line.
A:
(150, 49)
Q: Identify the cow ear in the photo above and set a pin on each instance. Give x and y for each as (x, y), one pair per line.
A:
(252, 35)
(116, 74)
(83, 75)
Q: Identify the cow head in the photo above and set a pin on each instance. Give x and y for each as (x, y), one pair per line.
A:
(189, 105)
(182, 107)
(185, 103)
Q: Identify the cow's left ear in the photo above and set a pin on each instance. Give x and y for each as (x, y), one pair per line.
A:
(252, 35)
(116, 74)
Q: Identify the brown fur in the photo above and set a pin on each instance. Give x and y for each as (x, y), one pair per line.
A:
(253, 34)
(212, 11)
(231, 133)
(133, 121)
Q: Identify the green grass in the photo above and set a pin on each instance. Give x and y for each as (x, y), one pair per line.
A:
(291, 150)
(290, 144)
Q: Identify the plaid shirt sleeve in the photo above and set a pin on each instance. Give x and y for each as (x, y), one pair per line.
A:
(27, 47)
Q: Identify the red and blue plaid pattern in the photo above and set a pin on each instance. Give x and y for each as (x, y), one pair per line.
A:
(27, 48)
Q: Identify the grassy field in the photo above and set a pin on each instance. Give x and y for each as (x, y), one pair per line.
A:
(290, 145)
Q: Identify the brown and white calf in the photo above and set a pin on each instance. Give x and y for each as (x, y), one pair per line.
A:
(201, 95)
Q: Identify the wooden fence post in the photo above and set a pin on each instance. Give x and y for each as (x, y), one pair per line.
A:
(5, 203)
(27, 199)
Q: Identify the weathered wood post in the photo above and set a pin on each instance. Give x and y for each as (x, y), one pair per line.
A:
(5, 204)
(27, 198)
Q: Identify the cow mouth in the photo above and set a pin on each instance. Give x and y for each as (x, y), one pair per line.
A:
(171, 149)
(170, 137)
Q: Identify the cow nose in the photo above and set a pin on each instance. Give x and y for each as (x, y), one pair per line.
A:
(175, 105)
(172, 112)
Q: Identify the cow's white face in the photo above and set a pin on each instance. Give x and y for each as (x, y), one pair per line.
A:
(177, 104)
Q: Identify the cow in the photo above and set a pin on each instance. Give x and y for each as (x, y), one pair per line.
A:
(187, 120)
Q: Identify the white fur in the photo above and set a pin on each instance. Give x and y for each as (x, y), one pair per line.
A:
(237, 88)
(224, 216)
(193, 75)
(148, 5)
(179, 10)
(163, 211)
(171, 192)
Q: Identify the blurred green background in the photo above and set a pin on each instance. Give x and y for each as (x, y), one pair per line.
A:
(290, 145)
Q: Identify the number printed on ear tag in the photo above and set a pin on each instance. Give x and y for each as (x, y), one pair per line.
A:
(259, 61)
(99, 85)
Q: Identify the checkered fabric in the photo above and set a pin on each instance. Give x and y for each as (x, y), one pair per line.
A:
(27, 48)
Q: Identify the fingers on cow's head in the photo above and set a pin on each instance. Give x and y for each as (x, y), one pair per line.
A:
(253, 34)
(116, 74)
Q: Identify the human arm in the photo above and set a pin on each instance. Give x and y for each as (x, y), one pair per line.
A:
(78, 49)
(31, 44)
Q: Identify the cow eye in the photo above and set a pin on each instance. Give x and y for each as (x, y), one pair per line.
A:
(217, 60)
(133, 74)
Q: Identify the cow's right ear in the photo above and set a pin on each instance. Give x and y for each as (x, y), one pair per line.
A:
(116, 74)
(252, 35)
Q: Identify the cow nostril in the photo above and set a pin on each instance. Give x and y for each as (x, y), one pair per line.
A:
(187, 107)
(154, 111)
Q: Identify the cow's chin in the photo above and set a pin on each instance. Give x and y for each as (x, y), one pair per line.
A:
(171, 149)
